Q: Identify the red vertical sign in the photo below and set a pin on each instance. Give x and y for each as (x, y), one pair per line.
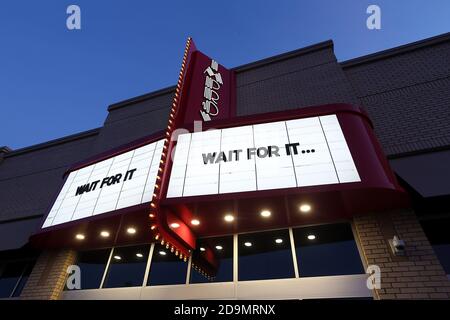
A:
(205, 92)
(210, 90)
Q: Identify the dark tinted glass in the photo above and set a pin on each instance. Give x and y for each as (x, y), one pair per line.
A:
(166, 268)
(327, 250)
(265, 255)
(223, 249)
(437, 233)
(127, 267)
(92, 265)
(23, 280)
(9, 277)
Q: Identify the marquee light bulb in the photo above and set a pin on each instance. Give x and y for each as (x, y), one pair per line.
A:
(266, 213)
(278, 241)
(163, 253)
(311, 237)
(104, 234)
(229, 218)
(248, 244)
(195, 222)
(131, 230)
(117, 257)
(305, 208)
(80, 236)
(174, 225)
(219, 247)
(202, 249)
(139, 255)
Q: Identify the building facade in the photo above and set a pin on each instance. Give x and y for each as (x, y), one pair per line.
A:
(267, 251)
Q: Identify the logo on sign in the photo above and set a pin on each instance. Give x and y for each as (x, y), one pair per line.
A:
(213, 82)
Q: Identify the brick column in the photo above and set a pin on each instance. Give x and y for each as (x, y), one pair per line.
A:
(48, 277)
(416, 275)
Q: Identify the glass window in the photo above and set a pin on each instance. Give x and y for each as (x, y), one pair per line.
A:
(166, 268)
(437, 233)
(265, 255)
(92, 265)
(327, 250)
(23, 280)
(10, 276)
(127, 267)
(223, 248)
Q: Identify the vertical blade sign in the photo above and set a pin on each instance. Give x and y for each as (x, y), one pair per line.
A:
(205, 92)
(211, 91)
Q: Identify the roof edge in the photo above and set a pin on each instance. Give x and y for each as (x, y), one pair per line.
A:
(51, 143)
(140, 98)
(285, 56)
(5, 149)
(396, 50)
(255, 64)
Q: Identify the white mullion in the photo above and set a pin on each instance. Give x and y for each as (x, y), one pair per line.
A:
(106, 268)
(188, 273)
(147, 267)
(294, 254)
(18, 281)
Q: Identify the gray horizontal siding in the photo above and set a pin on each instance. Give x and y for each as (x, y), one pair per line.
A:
(30, 180)
(312, 78)
(407, 96)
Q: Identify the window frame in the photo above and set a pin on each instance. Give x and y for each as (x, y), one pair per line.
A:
(355, 238)
(27, 262)
(235, 236)
(235, 245)
(108, 264)
(293, 252)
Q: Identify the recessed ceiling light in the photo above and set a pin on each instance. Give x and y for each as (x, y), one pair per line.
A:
(219, 247)
(229, 218)
(278, 240)
(305, 208)
(79, 236)
(311, 237)
(248, 244)
(139, 255)
(118, 257)
(131, 230)
(104, 234)
(174, 225)
(202, 249)
(163, 253)
(266, 213)
(195, 222)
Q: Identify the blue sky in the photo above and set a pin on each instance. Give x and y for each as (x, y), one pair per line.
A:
(55, 82)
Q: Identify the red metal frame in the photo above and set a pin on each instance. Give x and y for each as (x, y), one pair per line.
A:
(62, 235)
(377, 191)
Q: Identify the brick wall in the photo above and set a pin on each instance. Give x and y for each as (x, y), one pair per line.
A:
(48, 277)
(416, 275)
(406, 95)
(29, 180)
(313, 78)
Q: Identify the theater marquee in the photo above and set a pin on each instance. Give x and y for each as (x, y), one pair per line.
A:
(153, 189)
(115, 183)
(284, 154)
